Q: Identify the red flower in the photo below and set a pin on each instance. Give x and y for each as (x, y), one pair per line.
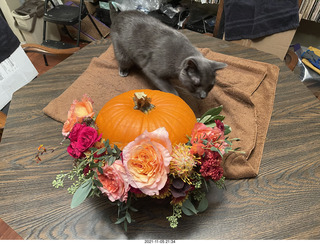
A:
(73, 136)
(81, 138)
(210, 166)
(86, 170)
(219, 124)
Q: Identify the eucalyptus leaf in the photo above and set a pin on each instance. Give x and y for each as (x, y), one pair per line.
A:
(214, 149)
(133, 209)
(109, 150)
(106, 143)
(101, 150)
(203, 204)
(81, 193)
(187, 204)
(125, 225)
(228, 142)
(187, 211)
(119, 221)
(128, 217)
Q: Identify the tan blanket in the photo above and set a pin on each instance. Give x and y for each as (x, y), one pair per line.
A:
(245, 88)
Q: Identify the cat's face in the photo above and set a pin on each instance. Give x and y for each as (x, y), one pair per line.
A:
(198, 75)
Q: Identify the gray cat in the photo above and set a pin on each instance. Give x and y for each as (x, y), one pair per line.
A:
(161, 52)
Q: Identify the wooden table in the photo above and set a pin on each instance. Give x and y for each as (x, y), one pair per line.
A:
(281, 203)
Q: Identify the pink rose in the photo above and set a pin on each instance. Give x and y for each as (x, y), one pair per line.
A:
(147, 160)
(81, 138)
(115, 182)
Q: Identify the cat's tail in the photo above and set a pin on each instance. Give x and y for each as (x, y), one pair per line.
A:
(113, 11)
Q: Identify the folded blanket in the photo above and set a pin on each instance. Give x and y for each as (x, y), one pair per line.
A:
(250, 19)
(245, 88)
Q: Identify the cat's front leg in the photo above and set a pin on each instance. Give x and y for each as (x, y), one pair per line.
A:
(160, 83)
(123, 72)
(124, 61)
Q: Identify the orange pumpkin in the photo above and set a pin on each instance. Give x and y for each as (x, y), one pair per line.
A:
(129, 114)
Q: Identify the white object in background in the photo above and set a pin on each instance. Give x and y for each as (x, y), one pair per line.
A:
(15, 72)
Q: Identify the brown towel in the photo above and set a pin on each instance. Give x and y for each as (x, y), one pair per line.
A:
(245, 88)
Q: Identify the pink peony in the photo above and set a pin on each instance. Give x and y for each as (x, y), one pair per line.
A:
(115, 182)
(147, 160)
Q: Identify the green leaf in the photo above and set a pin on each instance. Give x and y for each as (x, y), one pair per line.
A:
(100, 170)
(97, 183)
(119, 221)
(188, 208)
(212, 112)
(106, 143)
(128, 217)
(218, 117)
(205, 119)
(203, 204)
(227, 129)
(186, 211)
(101, 150)
(228, 142)
(214, 149)
(133, 209)
(81, 193)
(125, 226)
(109, 150)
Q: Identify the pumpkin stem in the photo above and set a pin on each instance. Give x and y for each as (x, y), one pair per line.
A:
(142, 102)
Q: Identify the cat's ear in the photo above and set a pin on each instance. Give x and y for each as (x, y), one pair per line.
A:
(218, 65)
(191, 68)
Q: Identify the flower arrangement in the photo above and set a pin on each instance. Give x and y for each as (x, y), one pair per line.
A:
(149, 166)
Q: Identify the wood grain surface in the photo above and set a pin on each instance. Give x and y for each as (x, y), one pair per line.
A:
(281, 203)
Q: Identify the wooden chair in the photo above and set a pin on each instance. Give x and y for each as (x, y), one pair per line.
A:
(63, 15)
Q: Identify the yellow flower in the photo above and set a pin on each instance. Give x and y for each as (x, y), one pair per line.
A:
(182, 162)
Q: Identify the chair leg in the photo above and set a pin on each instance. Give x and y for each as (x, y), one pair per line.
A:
(44, 33)
(82, 5)
(45, 60)
(65, 28)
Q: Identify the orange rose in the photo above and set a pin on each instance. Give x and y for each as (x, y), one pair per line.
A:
(147, 160)
(203, 137)
(77, 112)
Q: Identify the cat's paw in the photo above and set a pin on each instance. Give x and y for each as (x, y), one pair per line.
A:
(123, 73)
